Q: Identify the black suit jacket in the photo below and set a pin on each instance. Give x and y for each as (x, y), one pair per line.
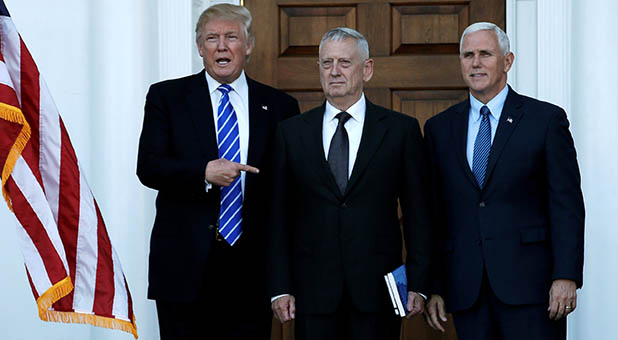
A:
(526, 226)
(322, 241)
(178, 139)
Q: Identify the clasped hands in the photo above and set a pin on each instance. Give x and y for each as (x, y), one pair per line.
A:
(284, 307)
(222, 172)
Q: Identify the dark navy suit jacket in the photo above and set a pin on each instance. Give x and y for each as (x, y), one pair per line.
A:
(177, 141)
(526, 226)
(322, 241)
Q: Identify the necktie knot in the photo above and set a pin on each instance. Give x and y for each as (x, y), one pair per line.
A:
(485, 111)
(343, 117)
(224, 88)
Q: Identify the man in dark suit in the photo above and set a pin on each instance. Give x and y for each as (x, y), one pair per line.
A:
(512, 213)
(207, 268)
(341, 169)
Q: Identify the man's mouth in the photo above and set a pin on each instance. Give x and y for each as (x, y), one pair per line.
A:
(477, 75)
(222, 61)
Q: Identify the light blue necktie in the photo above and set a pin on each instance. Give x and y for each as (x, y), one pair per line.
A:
(230, 215)
(482, 146)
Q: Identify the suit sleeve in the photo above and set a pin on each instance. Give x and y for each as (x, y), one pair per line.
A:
(415, 209)
(437, 263)
(157, 167)
(566, 205)
(279, 266)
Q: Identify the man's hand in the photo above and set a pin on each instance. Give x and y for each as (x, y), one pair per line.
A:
(415, 305)
(284, 308)
(222, 172)
(435, 313)
(562, 299)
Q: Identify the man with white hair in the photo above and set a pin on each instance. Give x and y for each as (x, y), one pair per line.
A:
(511, 223)
(341, 170)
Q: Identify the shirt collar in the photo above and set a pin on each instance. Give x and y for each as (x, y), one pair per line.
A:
(238, 85)
(495, 105)
(357, 110)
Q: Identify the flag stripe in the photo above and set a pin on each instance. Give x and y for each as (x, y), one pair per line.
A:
(50, 132)
(104, 291)
(31, 225)
(85, 276)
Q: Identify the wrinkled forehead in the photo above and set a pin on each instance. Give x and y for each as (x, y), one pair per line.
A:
(339, 49)
(480, 40)
(223, 26)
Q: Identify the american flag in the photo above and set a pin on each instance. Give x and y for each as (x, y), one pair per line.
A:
(72, 268)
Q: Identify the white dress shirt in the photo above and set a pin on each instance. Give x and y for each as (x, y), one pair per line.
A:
(239, 98)
(354, 128)
(495, 106)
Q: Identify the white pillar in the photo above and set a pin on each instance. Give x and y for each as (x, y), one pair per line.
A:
(554, 52)
(176, 38)
(594, 121)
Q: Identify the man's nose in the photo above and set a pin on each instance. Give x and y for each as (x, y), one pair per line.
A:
(221, 44)
(476, 60)
(335, 69)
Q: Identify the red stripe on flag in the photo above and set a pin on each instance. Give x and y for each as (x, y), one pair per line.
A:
(35, 230)
(30, 101)
(9, 134)
(68, 207)
(104, 291)
(8, 96)
(34, 292)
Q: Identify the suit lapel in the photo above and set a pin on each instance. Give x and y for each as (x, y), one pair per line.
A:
(511, 114)
(313, 145)
(373, 133)
(459, 127)
(258, 124)
(200, 107)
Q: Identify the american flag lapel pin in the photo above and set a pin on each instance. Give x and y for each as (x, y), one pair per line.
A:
(264, 107)
(509, 120)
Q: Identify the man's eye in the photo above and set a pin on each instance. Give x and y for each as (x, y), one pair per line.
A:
(327, 64)
(211, 38)
(345, 63)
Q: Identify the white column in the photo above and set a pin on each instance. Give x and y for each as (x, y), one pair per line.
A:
(176, 38)
(554, 52)
(124, 45)
(521, 20)
(594, 121)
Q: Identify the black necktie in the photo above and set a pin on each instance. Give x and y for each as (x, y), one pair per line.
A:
(338, 153)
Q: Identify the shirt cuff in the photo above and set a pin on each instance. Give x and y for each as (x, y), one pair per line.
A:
(278, 296)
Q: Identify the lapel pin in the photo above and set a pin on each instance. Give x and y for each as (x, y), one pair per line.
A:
(509, 119)
(264, 107)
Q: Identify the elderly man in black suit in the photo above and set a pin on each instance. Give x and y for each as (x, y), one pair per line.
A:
(512, 221)
(341, 170)
(206, 146)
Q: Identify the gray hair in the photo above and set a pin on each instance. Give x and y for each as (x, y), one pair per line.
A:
(342, 33)
(503, 39)
(225, 12)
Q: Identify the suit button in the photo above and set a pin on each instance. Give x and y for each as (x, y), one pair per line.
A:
(482, 204)
(344, 205)
(211, 227)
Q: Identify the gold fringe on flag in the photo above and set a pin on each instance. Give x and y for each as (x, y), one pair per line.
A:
(15, 115)
(63, 288)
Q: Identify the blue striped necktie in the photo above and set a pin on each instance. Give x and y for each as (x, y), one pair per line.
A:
(482, 146)
(230, 214)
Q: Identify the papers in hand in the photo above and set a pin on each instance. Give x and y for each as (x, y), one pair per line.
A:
(397, 285)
